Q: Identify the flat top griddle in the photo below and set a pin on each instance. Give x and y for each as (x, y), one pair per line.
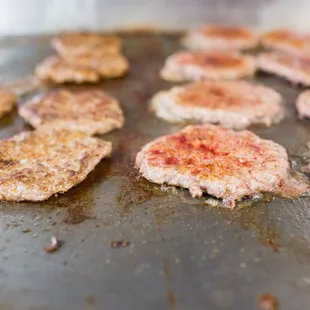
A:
(183, 255)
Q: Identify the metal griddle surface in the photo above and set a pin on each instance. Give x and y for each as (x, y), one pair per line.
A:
(183, 254)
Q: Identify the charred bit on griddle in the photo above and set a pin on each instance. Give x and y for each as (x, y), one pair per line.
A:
(119, 244)
(268, 302)
(53, 246)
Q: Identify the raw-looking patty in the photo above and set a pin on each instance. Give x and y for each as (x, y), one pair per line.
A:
(36, 165)
(59, 71)
(220, 38)
(212, 65)
(220, 162)
(77, 44)
(7, 101)
(288, 66)
(108, 66)
(303, 104)
(90, 111)
(233, 104)
(287, 41)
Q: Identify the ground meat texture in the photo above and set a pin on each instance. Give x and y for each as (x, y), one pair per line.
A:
(108, 66)
(91, 112)
(56, 70)
(233, 104)
(212, 65)
(215, 37)
(36, 165)
(218, 161)
(287, 41)
(292, 68)
(78, 44)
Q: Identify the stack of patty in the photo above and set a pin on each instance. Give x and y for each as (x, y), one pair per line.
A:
(83, 57)
(59, 153)
(213, 159)
(213, 60)
(288, 55)
(213, 54)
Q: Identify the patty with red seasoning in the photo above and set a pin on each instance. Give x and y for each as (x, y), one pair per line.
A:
(233, 104)
(91, 112)
(219, 161)
(211, 65)
(288, 41)
(215, 37)
(292, 68)
(36, 165)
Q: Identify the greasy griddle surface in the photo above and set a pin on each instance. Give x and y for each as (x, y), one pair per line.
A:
(183, 254)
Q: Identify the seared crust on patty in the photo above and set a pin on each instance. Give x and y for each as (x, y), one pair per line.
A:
(108, 66)
(7, 101)
(78, 44)
(218, 161)
(36, 165)
(212, 65)
(287, 41)
(232, 104)
(215, 37)
(90, 112)
(288, 66)
(59, 71)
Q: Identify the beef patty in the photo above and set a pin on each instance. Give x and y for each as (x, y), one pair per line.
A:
(212, 65)
(303, 104)
(287, 41)
(7, 101)
(36, 165)
(233, 104)
(218, 161)
(91, 112)
(77, 44)
(108, 66)
(215, 37)
(58, 70)
(292, 68)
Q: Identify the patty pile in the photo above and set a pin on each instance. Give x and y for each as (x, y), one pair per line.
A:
(287, 41)
(7, 101)
(91, 112)
(233, 104)
(212, 65)
(36, 165)
(83, 58)
(292, 68)
(218, 161)
(220, 38)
